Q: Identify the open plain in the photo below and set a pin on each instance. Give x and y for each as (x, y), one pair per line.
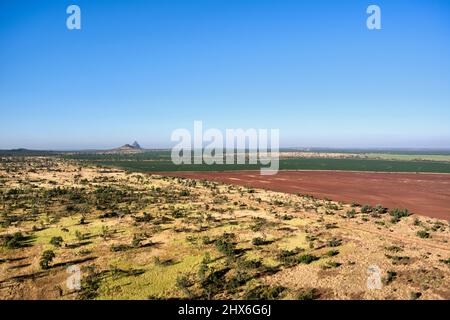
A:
(141, 236)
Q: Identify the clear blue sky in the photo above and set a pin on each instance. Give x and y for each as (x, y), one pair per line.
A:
(139, 69)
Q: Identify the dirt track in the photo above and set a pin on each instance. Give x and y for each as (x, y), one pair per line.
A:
(424, 194)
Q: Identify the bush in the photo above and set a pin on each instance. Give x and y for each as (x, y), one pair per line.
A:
(394, 248)
(308, 294)
(213, 282)
(137, 240)
(366, 209)
(207, 240)
(399, 259)
(415, 295)
(423, 234)
(307, 258)
(56, 241)
(80, 236)
(288, 257)
(351, 213)
(264, 292)
(120, 247)
(226, 245)
(391, 275)
(184, 283)
(334, 242)
(14, 241)
(258, 241)
(250, 264)
(398, 214)
(331, 253)
(89, 286)
(380, 209)
(112, 214)
(46, 258)
(106, 233)
(331, 264)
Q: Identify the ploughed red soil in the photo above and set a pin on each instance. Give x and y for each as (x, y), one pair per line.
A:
(424, 194)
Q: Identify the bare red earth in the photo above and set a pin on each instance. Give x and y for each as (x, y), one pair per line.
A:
(424, 194)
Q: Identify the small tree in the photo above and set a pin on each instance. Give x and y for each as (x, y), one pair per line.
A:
(184, 283)
(56, 241)
(47, 257)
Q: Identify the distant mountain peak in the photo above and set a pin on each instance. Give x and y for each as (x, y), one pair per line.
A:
(125, 149)
(136, 145)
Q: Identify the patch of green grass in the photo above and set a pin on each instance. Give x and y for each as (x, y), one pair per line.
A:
(156, 281)
(291, 243)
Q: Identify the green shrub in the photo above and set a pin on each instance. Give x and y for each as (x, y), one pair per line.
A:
(308, 294)
(394, 248)
(120, 247)
(366, 209)
(334, 242)
(414, 295)
(14, 241)
(258, 241)
(398, 214)
(307, 258)
(226, 245)
(351, 213)
(423, 234)
(184, 283)
(106, 233)
(89, 286)
(331, 264)
(46, 258)
(56, 241)
(399, 259)
(331, 253)
(379, 209)
(207, 240)
(391, 276)
(80, 236)
(288, 257)
(264, 292)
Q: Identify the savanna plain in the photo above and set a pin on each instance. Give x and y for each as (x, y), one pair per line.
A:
(142, 235)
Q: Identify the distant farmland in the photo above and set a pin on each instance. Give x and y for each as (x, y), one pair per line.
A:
(161, 162)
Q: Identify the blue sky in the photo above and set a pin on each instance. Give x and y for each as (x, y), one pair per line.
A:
(137, 70)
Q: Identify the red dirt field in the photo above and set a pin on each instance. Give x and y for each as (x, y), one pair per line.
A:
(423, 194)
